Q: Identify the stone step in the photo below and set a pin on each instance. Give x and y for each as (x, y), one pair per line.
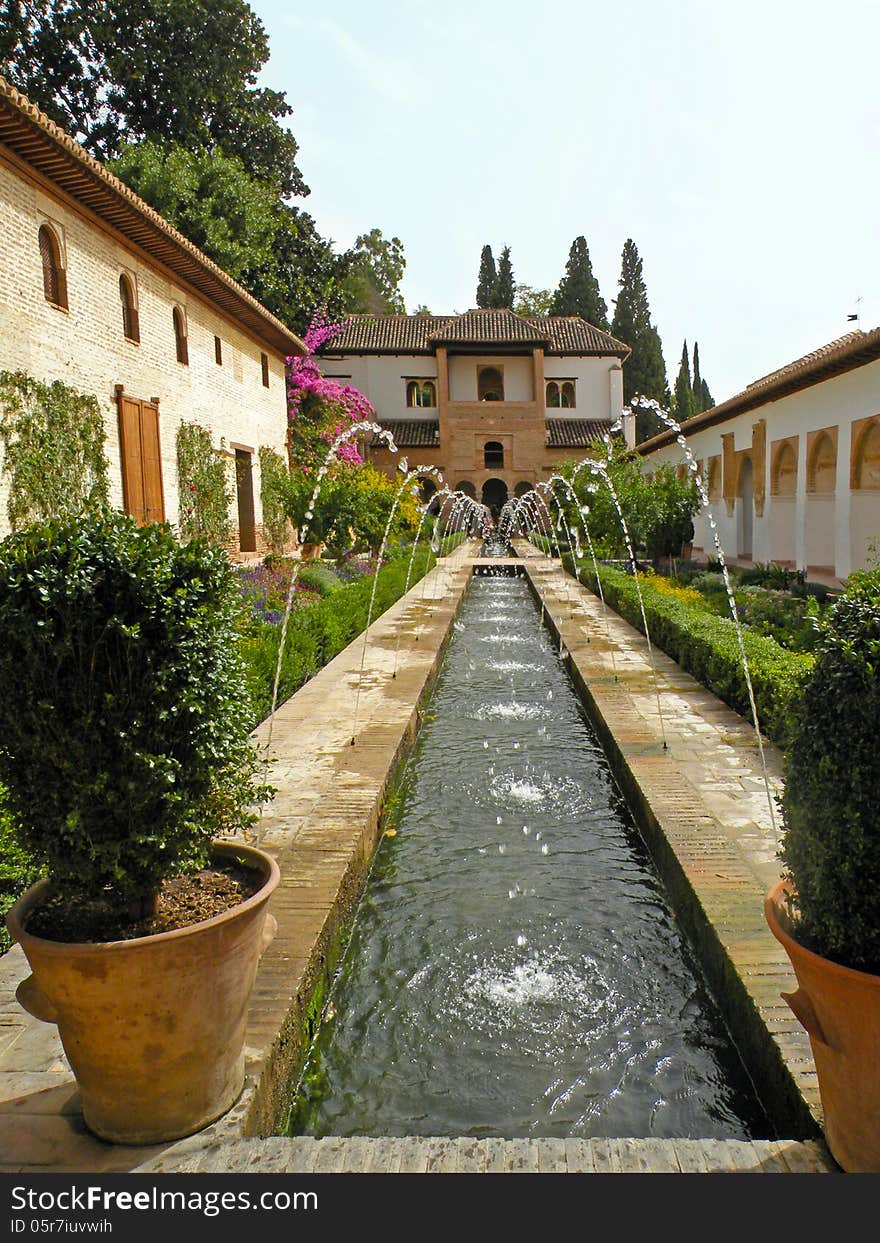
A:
(436, 1155)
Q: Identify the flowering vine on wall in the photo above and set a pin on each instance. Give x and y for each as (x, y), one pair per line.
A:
(319, 408)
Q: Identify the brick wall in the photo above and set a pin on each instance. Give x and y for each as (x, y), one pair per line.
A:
(85, 346)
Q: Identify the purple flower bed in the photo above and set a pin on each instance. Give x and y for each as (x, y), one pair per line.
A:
(264, 591)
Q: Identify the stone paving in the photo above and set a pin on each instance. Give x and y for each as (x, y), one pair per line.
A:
(704, 793)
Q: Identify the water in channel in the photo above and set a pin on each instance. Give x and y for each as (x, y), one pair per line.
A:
(514, 968)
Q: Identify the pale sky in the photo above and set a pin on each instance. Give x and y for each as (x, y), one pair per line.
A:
(737, 145)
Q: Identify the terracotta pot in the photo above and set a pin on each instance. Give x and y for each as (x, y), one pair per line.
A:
(840, 1009)
(310, 551)
(154, 1027)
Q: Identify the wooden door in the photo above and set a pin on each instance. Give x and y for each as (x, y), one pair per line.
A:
(244, 486)
(141, 459)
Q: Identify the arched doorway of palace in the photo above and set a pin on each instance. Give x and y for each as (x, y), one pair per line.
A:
(494, 495)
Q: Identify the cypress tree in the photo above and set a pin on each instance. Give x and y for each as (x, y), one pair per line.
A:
(697, 383)
(578, 291)
(487, 279)
(683, 401)
(644, 372)
(504, 289)
(706, 398)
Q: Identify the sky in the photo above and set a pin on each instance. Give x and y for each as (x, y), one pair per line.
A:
(738, 145)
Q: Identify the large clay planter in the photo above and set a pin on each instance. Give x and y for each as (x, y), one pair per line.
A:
(153, 1028)
(840, 1009)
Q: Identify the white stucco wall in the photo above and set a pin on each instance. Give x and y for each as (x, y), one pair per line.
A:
(598, 385)
(85, 347)
(810, 529)
(518, 376)
(382, 379)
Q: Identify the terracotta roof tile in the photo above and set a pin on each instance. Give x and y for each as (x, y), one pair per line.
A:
(846, 353)
(574, 433)
(411, 433)
(421, 334)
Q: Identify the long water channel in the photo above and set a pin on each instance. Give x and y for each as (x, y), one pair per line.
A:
(515, 969)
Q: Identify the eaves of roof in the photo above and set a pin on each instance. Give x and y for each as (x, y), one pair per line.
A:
(846, 354)
(42, 145)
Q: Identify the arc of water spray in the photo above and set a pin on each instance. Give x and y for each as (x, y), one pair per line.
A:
(601, 468)
(350, 433)
(646, 403)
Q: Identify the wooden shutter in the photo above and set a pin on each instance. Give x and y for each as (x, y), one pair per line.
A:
(141, 459)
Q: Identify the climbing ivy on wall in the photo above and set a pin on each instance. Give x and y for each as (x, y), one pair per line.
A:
(53, 439)
(205, 493)
(276, 527)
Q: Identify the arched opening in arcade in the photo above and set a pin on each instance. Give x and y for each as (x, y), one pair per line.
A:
(494, 495)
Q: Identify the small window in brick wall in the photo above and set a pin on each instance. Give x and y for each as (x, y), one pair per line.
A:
(218, 351)
(54, 277)
(180, 336)
(130, 326)
(264, 367)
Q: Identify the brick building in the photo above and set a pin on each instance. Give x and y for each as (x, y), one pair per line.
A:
(99, 291)
(493, 398)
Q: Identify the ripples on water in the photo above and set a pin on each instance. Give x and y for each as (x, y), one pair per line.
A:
(514, 968)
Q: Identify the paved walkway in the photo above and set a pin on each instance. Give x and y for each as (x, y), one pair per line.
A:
(704, 791)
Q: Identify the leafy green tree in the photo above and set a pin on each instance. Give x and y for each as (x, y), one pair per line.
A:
(487, 278)
(578, 291)
(505, 285)
(683, 401)
(376, 267)
(644, 372)
(210, 197)
(118, 71)
(530, 301)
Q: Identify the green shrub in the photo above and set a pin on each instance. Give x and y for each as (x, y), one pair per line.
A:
(831, 809)
(17, 871)
(205, 495)
(320, 578)
(124, 741)
(318, 632)
(708, 648)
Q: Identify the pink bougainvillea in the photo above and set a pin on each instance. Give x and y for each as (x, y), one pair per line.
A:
(319, 407)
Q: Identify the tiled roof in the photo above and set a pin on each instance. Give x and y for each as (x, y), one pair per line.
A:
(846, 353)
(421, 334)
(574, 433)
(411, 433)
(491, 326)
(40, 143)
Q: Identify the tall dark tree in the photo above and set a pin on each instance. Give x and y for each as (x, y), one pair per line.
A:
(376, 270)
(505, 289)
(578, 291)
(487, 279)
(644, 372)
(702, 397)
(683, 399)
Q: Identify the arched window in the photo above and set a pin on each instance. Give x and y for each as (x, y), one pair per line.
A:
(568, 395)
(130, 325)
(552, 394)
(522, 488)
(54, 276)
(467, 488)
(493, 454)
(490, 384)
(421, 393)
(180, 336)
(867, 473)
(783, 476)
(821, 475)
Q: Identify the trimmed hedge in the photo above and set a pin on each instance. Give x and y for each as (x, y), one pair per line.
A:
(318, 632)
(707, 647)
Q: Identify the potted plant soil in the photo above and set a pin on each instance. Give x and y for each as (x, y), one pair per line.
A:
(125, 759)
(826, 910)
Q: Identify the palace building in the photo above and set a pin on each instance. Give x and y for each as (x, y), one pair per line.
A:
(99, 291)
(492, 398)
(792, 463)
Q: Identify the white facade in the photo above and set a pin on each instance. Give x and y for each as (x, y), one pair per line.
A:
(794, 479)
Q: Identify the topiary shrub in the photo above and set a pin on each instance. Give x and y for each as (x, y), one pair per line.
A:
(124, 743)
(831, 808)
